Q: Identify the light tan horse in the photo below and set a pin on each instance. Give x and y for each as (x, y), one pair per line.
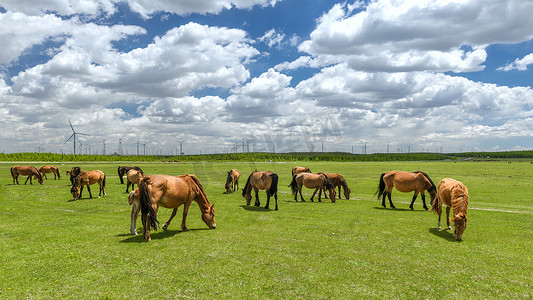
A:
(298, 170)
(50, 169)
(406, 182)
(337, 180)
(171, 192)
(316, 181)
(134, 199)
(133, 177)
(232, 181)
(87, 178)
(30, 171)
(261, 180)
(454, 194)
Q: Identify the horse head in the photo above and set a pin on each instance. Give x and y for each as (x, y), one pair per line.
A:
(460, 225)
(347, 192)
(208, 216)
(75, 191)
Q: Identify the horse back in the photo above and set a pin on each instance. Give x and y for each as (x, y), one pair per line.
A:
(450, 191)
(170, 191)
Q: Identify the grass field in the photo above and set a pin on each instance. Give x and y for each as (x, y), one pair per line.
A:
(53, 247)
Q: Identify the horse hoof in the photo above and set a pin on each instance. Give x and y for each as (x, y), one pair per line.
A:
(185, 229)
(438, 228)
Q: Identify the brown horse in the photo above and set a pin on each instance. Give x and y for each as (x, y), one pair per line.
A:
(298, 170)
(261, 180)
(87, 178)
(50, 169)
(232, 181)
(134, 199)
(406, 182)
(74, 172)
(124, 170)
(338, 181)
(316, 181)
(171, 192)
(454, 194)
(133, 177)
(31, 171)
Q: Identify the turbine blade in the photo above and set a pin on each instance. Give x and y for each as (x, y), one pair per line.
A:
(69, 138)
(71, 126)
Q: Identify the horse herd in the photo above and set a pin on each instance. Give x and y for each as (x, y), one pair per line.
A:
(167, 191)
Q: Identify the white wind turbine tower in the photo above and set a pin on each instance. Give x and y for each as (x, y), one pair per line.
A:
(74, 136)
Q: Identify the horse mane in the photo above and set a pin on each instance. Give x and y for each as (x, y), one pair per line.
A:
(146, 205)
(274, 185)
(458, 205)
(37, 171)
(244, 190)
(199, 185)
(139, 169)
(329, 185)
(433, 186)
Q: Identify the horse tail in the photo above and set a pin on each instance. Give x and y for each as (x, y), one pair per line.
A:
(294, 185)
(120, 174)
(58, 174)
(12, 174)
(103, 182)
(381, 186)
(146, 205)
(273, 185)
(244, 191)
(199, 185)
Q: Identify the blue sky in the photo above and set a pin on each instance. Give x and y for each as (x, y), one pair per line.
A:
(280, 75)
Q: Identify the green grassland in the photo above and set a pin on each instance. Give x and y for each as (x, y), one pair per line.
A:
(54, 247)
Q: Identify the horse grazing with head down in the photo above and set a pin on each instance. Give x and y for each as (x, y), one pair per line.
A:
(170, 192)
(337, 180)
(50, 169)
(124, 170)
(87, 178)
(406, 182)
(74, 172)
(232, 181)
(133, 177)
(454, 194)
(31, 171)
(316, 181)
(261, 180)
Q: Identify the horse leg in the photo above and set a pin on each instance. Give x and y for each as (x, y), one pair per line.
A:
(186, 206)
(390, 201)
(314, 194)
(439, 212)
(268, 201)
(424, 200)
(325, 194)
(170, 219)
(412, 202)
(89, 189)
(135, 208)
(448, 217)
(29, 177)
(320, 195)
(257, 203)
(383, 200)
(276, 197)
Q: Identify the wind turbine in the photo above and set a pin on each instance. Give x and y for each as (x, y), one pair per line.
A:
(74, 136)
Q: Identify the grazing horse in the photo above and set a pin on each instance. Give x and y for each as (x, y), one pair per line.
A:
(31, 171)
(338, 181)
(87, 178)
(316, 181)
(74, 172)
(454, 194)
(133, 177)
(406, 182)
(298, 170)
(232, 181)
(124, 170)
(261, 180)
(50, 169)
(170, 192)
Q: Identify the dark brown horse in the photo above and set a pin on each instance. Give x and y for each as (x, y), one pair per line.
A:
(261, 180)
(50, 169)
(454, 194)
(337, 180)
(124, 170)
(232, 181)
(30, 171)
(86, 178)
(170, 192)
(74, 172)
(406, 182)
(316, 181)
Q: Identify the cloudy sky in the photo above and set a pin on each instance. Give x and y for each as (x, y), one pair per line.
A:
(272, 75)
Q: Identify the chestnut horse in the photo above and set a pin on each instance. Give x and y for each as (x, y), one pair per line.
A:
(124, 170)
(338, 181)
(406, 182)
(261, 180)
(316, 181)
(170, 192)
(87, 178)
(298, 170)
(74, 172)
(133, 177)
(31, 171)
(50, 169)
(232, 181)
(454, 194)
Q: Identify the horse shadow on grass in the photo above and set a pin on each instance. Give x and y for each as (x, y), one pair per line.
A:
(255, 208)
(444, 233)
(155, 235)
(399, 209)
